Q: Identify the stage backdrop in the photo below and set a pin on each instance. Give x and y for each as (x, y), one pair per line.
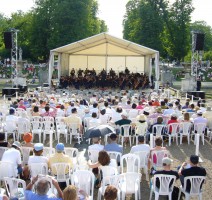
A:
(103, 51)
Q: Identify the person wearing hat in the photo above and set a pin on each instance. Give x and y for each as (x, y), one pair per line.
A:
(166, 161)
(170, 110)
(140, 124)
(191, 169)
(13, 155)
(200, 118)
(141, 145)
(59, 157)
(27, 137)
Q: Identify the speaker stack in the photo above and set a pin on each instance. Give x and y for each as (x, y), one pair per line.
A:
(8, 40)
(199, 44)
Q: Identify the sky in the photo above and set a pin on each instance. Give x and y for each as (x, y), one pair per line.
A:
(112, 11)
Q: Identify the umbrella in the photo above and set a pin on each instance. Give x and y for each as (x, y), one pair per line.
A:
(99, 131)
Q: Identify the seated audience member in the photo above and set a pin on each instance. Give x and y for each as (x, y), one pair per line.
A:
(191, 169)
(94, 120)
(170, 110)
(113, 146)
(110, 193)
(3, 197)
(186, 117)
(42, 188)
(13, 155)
(140, 124)
(166, 171)
(71, 193)
(27, 137)
(48, 112)
(96, 144)
(35, 111)
(103, 117)
(3, 143)
(141, 145)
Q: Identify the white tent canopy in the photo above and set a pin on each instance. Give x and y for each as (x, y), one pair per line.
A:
(103, 51)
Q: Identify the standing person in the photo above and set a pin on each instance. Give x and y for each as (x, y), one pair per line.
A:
(191, 169)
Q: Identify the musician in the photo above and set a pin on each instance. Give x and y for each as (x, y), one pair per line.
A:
(80, 72)
(127, 71)
(72, 73)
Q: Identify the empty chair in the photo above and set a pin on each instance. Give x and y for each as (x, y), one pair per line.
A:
(61, 128)
(93, 155)
(26, 151)
(195, 189)
(130, 162)
(23, 127)
(10, 128)
(130, 184)
(15, 187)
(199, 128)
(74, 131)
(37, 129)
(185, 130)
(48, 128)
(126, 131)
(166, 186)
(7, 169)
(2, 150)
(84, 180)
(108, 171)
(73, 153)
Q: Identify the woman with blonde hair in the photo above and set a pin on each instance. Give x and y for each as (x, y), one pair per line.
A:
(71, 193)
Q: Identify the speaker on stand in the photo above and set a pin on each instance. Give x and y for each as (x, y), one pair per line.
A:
(8, 40)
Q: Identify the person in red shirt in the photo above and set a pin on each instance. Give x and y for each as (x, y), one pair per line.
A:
(172, 120)
(156, 102)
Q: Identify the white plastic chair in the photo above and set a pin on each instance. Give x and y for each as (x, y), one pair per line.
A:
(199, 128)
(48, 119)
(7, 169)
(143, 155)
(61, 172)
(84, 180)
(48, 128)
(73, 153)
(13, 187)
(10, 128)
(185, 130)
(115, 155)
(93, 155)
(38, 168)
(25, 154)
(125, 130)
(61, 128)
(108, 171)
(158, 129)
(23, 127)
(174, 132)
(109, 180)
(196, 190)
(2, 150)
(36, 119)
(36, 129)
(157, 157)
(166, 186)
(74, 131)
(48, 151)
(130, 184)
(130, 162)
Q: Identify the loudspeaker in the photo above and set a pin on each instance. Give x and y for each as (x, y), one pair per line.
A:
(200, 41)
(8, 40)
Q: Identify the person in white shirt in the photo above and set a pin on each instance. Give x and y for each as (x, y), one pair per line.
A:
(96, 144)
(13, 155)
(170, 110)
(12, 117)
(141, 145)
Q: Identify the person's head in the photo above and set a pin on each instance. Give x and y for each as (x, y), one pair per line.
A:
(27, 137)
(113, 137)
(104, 158)
(70, 192)
(119, 110)
(192, 106)
(38, 149)
(124, 115)
(42, 187)
(94, 115)
(141, 139)
(173, 116)
(134, 106)
(62, 107)
(159, 120)
(186, 116)
(199, 113)
(194, 160)
(106, 104)
(162, 103)
(95, 105)
(110, 193)
(12, 111)
(170, 105)
(16, 145)
(60, 148)
(158, 141)
(141, 118)
(166, 162)
(47, 108)
(73, 110)
(2, 136)
(103, 111)
(35, 109)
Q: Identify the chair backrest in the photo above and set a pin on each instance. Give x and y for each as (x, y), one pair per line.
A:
(195, 183)
(109, 171)
(26, 153)
(199, 128)
(84, 180)
(166, 183)
(72, 152)
(15, 187)
(36, 118)
(173, 128)
(157, 157)
(48, 151)
(143, 155)
(36, 125)
(110, 180)
(61, 170)
(130, 162)
(38, 168)
(23, 126)
(10, 126)
(115, 155)
(7, 169)
(48, 119)
(48, 125)
(93, 155)
(130, 182)
(59, 119)
(185, 127)
(73, 127)
(2, 150)
(158, 129)
(125, 129)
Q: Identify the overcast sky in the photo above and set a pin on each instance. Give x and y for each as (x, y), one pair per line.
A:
(112, 11)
